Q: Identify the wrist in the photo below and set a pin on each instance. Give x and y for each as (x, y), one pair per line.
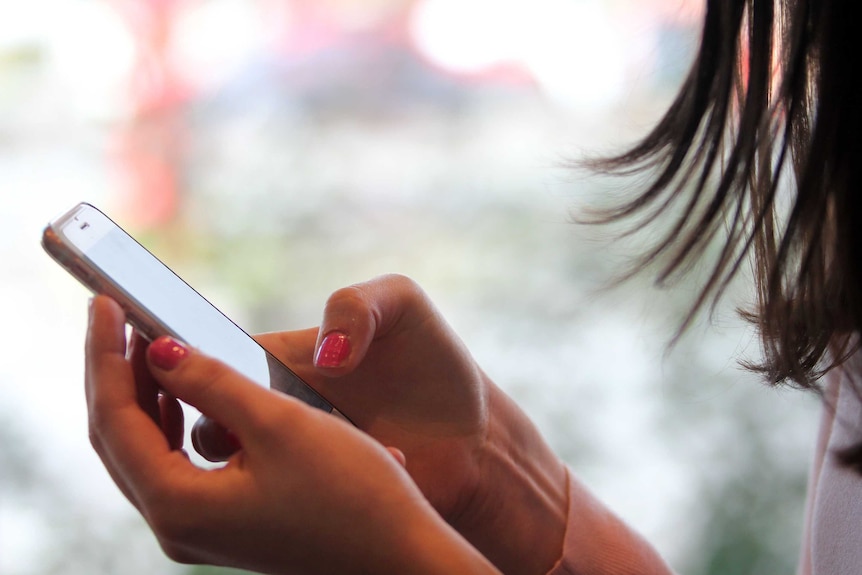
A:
(517, 513)
(427, 545)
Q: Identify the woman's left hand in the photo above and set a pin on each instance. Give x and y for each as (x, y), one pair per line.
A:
(307, 492)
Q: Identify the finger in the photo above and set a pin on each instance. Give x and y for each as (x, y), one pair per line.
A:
(147, 387)
(215, 389)
(124, 435)
(293, 348)
(356, 315)
(105, 346)
(102, 326)
(213, 441)
(172, 420)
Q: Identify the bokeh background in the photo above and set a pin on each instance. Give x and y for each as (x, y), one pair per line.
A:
(275, 150)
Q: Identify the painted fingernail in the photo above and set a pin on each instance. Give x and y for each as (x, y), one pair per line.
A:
(167, 353)
(333, 350)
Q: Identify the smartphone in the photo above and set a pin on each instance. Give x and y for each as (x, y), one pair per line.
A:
(107, 260)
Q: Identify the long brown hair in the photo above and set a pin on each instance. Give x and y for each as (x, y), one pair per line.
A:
(762, 144)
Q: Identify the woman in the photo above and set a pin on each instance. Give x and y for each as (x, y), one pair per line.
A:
(465, 483)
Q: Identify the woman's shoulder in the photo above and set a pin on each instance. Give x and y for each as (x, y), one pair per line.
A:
(835, 494)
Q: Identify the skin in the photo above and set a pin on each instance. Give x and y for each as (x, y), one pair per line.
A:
(465, 483)
(315, 496)
(410, 382)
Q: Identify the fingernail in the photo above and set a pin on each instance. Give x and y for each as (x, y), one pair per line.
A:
(333, 350)
(167, 353)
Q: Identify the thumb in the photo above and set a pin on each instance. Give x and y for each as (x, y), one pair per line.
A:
(216, 390)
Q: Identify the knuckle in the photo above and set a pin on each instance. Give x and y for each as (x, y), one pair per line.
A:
(364, 295)
(351, 297)
(379, 304)
(399, 282)
(406, 288)
(397, 278)
(206, 372)
(217, 376)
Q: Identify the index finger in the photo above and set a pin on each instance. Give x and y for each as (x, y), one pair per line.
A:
(359, 314)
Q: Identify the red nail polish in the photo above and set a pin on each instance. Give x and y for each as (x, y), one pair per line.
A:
(167, 353)
(333, 350)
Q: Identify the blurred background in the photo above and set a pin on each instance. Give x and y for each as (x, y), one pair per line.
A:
(273, 151)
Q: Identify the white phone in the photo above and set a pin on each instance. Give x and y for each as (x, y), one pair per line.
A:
(157, 302)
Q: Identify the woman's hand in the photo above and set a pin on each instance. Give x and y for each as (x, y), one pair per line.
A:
(387, 359)
(307, 492)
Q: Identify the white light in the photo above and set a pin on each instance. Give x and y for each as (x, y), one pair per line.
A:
(212, 41)
(92, 53)
(22, 23)
(468, 35)
(571, 48)
(576, 53)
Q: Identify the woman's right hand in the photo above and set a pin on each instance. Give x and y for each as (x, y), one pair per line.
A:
(386, 357)
(388, 360)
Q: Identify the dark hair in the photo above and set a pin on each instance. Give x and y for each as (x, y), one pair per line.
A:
(762, 144)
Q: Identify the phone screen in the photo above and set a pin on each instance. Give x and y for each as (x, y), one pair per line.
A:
(172, 306)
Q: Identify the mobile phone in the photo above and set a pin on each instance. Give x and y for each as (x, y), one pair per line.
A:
(107, 260)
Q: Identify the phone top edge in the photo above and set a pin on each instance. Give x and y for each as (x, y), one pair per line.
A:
(70, 213)
(71, 257)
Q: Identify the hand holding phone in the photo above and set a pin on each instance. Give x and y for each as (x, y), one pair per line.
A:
(108, 261)
(412, 384)
(309, 493)
(409, 381)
